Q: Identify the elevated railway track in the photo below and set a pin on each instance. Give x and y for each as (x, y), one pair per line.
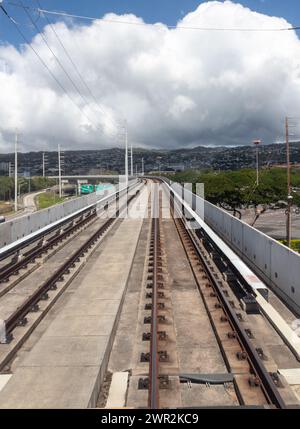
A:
(185, 326)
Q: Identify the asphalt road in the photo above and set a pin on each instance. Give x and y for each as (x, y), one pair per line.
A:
(273, 223)
(29, 206)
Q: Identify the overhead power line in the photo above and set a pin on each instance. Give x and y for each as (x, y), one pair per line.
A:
(57, 59)
(45, 65)
(39, 57)
(114, 123)
(177, 27)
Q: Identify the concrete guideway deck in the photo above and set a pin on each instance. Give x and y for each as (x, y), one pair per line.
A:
(65, 367)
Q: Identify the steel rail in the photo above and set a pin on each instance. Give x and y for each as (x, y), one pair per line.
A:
(153, 400)
(268, 386)
(18, 317)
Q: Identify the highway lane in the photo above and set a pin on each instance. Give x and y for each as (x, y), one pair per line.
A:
(29, 205)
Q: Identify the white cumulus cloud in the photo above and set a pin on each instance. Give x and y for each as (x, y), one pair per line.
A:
(175, 87)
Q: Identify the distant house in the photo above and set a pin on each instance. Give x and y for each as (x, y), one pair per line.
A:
(176, 167)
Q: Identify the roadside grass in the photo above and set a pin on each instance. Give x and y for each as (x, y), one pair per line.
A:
(5, 208)
(48, 199)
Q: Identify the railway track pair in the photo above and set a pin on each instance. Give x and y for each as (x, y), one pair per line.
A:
(155, 261)
(253, 384)
(19, 317)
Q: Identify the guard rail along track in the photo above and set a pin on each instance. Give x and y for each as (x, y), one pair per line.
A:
(21, 261)
(19, 244)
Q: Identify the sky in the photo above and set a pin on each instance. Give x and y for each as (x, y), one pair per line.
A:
(166, 11)
(175, 88)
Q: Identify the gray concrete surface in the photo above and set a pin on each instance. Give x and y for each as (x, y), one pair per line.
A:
(190, 316)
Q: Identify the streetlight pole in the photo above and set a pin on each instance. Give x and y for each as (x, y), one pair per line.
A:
(289, 195)
(16, 172)
(142, 166)
(126, 155)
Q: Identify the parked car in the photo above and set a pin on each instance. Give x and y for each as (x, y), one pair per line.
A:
(278, 205)
(2, 219)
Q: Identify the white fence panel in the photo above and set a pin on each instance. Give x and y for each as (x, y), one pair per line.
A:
(18, 228)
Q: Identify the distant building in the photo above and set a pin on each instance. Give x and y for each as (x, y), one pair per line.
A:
(4, 167)
(176, 167)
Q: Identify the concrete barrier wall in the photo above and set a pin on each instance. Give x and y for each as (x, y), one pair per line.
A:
(18, 228)
(278, 266)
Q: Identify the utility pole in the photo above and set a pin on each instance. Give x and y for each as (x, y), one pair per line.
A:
(29, 182)
(257, 143)
(289, 194)
(59, 172)
(43, 164)
(16, 171)
(136, 169)
(142, 166)
(126, 154)
(9, 169)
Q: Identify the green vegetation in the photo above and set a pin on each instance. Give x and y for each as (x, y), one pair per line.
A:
(7, 185)
(295, 244)
(48, 199)
(5, 208)
(236, 189)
